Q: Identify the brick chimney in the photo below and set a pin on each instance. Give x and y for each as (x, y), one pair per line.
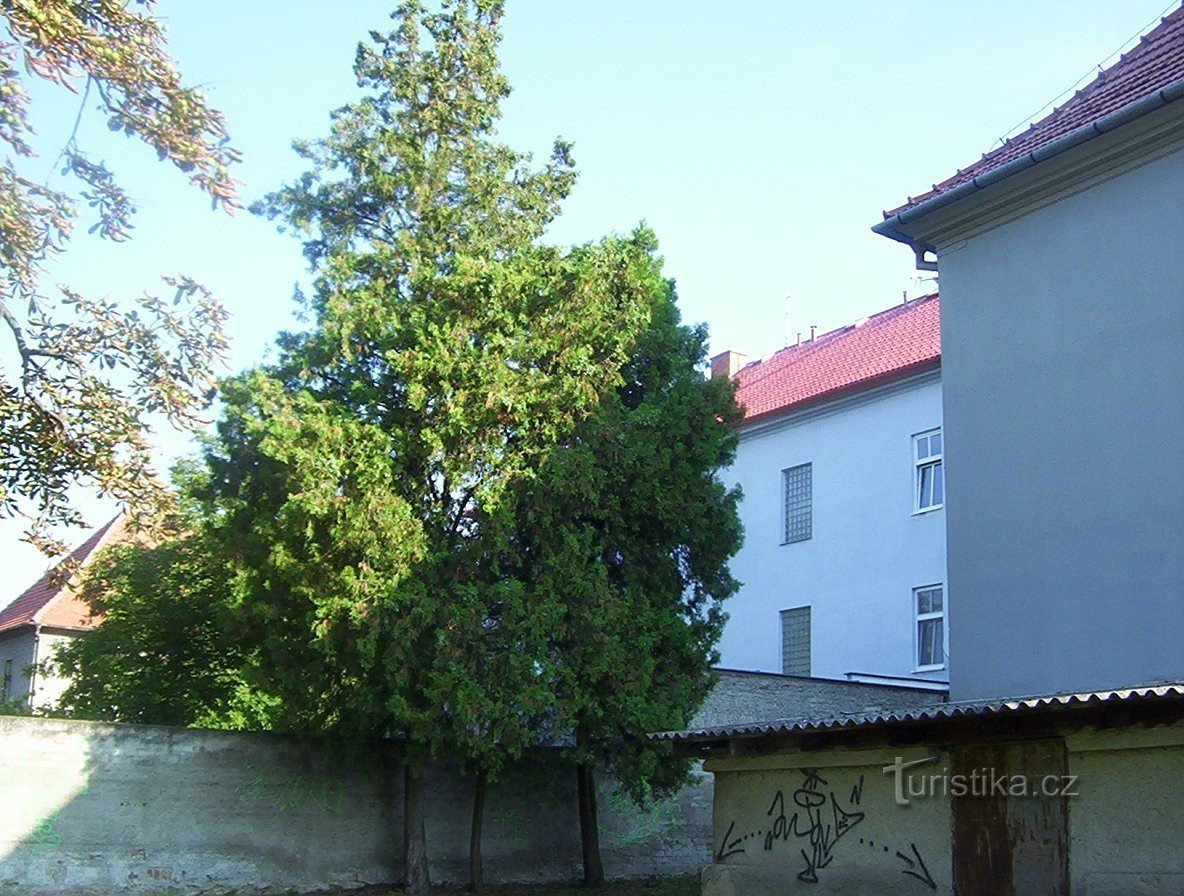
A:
(727, 363)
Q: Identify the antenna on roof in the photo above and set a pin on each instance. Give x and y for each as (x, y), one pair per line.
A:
(813, 327)
(787, 330)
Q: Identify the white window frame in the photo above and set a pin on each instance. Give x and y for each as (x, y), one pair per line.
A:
(923, 463)
(919, 617)
(785, 473)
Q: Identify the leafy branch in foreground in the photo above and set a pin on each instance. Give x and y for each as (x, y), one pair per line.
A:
(80, 375)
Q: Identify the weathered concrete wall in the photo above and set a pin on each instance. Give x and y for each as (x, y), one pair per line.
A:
(828, 821)
(1126, 824)
(93, 808)
(824, 824)
(759, 696)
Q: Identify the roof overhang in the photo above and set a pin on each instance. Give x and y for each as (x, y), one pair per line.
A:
(945, 723)
(902, 226)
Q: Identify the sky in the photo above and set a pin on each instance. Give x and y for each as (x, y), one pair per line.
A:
(760, 139)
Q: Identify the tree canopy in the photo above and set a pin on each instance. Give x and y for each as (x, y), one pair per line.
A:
(357, 481)
(81, 375)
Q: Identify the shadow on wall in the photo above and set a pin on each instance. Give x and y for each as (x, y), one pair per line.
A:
(149, 809)
(144, 808)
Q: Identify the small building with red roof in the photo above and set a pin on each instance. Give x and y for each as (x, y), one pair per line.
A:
(841, 464)
(45, 615)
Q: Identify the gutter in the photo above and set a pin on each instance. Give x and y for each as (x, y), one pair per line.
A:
(891, 227)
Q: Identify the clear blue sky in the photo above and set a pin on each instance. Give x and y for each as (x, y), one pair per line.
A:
(760, 140)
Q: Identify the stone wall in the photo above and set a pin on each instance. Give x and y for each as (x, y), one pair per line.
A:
(741, 697)
(96, 808)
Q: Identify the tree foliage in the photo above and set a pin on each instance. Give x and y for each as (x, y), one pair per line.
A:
(357, 482)
(80, 374)
(164, 653)
(626, 534)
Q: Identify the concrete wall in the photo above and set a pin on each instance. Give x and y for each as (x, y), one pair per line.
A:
(868, 551)
(761, 696)
(137, 809)
(1063, 370)
(824, 823)
(1126, 828)
(827, 821)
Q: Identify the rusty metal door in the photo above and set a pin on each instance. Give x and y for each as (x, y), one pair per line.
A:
(1011, 836)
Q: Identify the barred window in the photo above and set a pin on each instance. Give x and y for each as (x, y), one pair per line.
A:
(798, 490)
(795, 641)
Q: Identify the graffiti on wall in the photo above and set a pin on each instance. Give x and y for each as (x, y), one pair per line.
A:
(813, 820)
(289, 792)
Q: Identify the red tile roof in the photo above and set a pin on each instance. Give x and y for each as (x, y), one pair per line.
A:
(1155, 63)
(51, 602)
(886, 346)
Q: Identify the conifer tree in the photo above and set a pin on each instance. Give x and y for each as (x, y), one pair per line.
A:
(357, 483)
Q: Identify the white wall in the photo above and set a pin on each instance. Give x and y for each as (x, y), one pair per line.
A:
(25, 647)
(1063, 370)
(48, 688)
(868, 551)
(17, 645)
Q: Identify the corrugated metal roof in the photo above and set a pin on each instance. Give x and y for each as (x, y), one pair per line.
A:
(977, 708)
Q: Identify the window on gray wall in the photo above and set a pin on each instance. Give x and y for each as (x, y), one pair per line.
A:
(797, 489)
(795, 641)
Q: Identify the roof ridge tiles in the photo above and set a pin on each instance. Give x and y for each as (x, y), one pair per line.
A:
(889, 344)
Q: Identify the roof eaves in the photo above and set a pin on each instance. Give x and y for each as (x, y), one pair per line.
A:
(892, 223)
(933, 713)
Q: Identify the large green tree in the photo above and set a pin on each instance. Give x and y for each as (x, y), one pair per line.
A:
(358, 481)
(628, 530)
(79, 374)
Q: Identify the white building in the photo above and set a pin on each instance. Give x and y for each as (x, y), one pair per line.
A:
(840, 461)
(44, 616)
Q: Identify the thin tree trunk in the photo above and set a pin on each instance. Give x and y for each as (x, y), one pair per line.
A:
(415, 843)
(589, 830)
(476, 876)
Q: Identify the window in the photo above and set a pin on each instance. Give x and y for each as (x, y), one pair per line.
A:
(6, 686)
(797, 487)
(929, 608)
(795, 641)
(930, 488)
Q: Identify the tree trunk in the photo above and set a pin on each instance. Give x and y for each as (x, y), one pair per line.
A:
(589, 830)
(415, 843)
(476, 876)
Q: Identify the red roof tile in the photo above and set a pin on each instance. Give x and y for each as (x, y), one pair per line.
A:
(892, 344)
(1156, 62)
(53, 603)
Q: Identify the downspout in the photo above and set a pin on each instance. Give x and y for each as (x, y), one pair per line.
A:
(36, 660)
